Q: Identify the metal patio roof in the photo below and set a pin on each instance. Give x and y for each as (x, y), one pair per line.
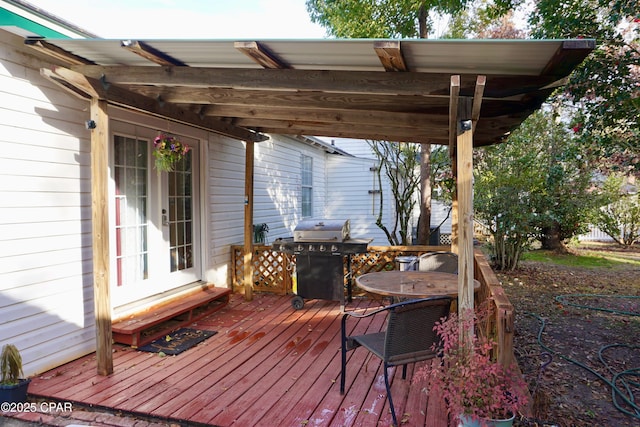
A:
(398, 90)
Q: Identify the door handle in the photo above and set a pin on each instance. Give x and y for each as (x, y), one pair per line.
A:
(165, 217)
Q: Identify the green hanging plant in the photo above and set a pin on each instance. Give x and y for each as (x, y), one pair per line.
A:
(168, 151)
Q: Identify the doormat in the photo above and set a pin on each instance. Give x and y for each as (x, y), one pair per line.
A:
(178, 341)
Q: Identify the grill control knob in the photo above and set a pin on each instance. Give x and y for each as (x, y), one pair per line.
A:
(334, 248)
(300, 248)
(312, 248)
(322, 248)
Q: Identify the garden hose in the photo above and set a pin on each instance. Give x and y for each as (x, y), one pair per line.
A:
(621, 383)
(561, 300)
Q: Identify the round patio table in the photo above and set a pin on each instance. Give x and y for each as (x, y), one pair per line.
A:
(411, 284)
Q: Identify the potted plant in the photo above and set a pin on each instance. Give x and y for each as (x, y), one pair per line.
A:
(478, 391)
(260, 233)
(168, 150)
(13, 388)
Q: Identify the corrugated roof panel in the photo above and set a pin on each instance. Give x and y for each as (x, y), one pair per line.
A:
(102, 52)
(204, 53)
(353, 55)
(514, 57)
(511, 57)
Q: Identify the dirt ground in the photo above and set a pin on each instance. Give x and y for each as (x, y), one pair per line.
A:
(569, 351)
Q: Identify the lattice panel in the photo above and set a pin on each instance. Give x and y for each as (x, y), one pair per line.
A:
(272, 269)
(445, 239)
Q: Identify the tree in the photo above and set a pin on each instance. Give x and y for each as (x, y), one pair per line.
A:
(535, 186)
(503, 180)
(485, 19)
(619, 213)
(380, 18)
(605, 89)
(400, 163)
(442, 178)
(563, 202)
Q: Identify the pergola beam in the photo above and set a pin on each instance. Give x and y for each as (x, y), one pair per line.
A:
(115, 95)
(292, 80)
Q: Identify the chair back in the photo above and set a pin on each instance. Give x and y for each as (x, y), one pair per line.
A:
(410, 335)
(446, 262)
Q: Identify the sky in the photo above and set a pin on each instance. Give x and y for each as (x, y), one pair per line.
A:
(188, 19)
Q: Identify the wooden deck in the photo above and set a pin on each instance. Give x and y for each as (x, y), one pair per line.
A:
(269, 365)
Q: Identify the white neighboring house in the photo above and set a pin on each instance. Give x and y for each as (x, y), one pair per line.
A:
(165, 237)
(439, 211)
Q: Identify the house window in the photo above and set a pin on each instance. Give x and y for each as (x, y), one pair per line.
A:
(307, 186)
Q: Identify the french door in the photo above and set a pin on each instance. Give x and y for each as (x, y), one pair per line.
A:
(155, 231)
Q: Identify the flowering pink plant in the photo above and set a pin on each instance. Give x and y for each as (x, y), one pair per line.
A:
(471, 382)
(168, 151)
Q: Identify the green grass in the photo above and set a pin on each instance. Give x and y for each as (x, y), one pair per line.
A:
(591, 259)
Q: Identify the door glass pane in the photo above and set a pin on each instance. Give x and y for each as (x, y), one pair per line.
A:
(180, 215)
(130, 173)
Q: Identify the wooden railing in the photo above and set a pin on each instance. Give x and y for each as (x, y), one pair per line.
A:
(272, 272)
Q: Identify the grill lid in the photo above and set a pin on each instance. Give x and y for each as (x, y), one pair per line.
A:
(323, 230)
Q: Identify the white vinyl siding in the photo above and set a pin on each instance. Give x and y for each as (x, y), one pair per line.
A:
(277, 192)
(46, 293)
(353, 194)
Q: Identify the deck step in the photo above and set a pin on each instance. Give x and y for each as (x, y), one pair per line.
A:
(144, 327)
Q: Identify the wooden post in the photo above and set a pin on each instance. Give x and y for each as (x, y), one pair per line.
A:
(248, 222)
(100, 230)
(454, 95)
(454, 201)
(465, 206)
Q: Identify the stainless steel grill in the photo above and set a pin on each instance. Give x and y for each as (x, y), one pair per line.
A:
(322, 249)
(323, 230)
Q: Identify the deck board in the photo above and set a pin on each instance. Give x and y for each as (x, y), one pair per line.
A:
(268, 365)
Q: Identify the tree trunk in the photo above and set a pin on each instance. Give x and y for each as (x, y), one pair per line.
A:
(424, 222)
(425, 195)
(422, 23)
(551, 239)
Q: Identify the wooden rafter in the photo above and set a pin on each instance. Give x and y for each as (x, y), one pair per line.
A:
(101, 89)
(147, 52)
(477, 100)
(390, 55)
(56, 53)
(260, 54)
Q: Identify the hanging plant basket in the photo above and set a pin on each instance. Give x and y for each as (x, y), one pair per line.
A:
(168, 151)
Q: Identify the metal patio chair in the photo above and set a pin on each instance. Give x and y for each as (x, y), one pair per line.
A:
(446, 262)
(408, 338)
